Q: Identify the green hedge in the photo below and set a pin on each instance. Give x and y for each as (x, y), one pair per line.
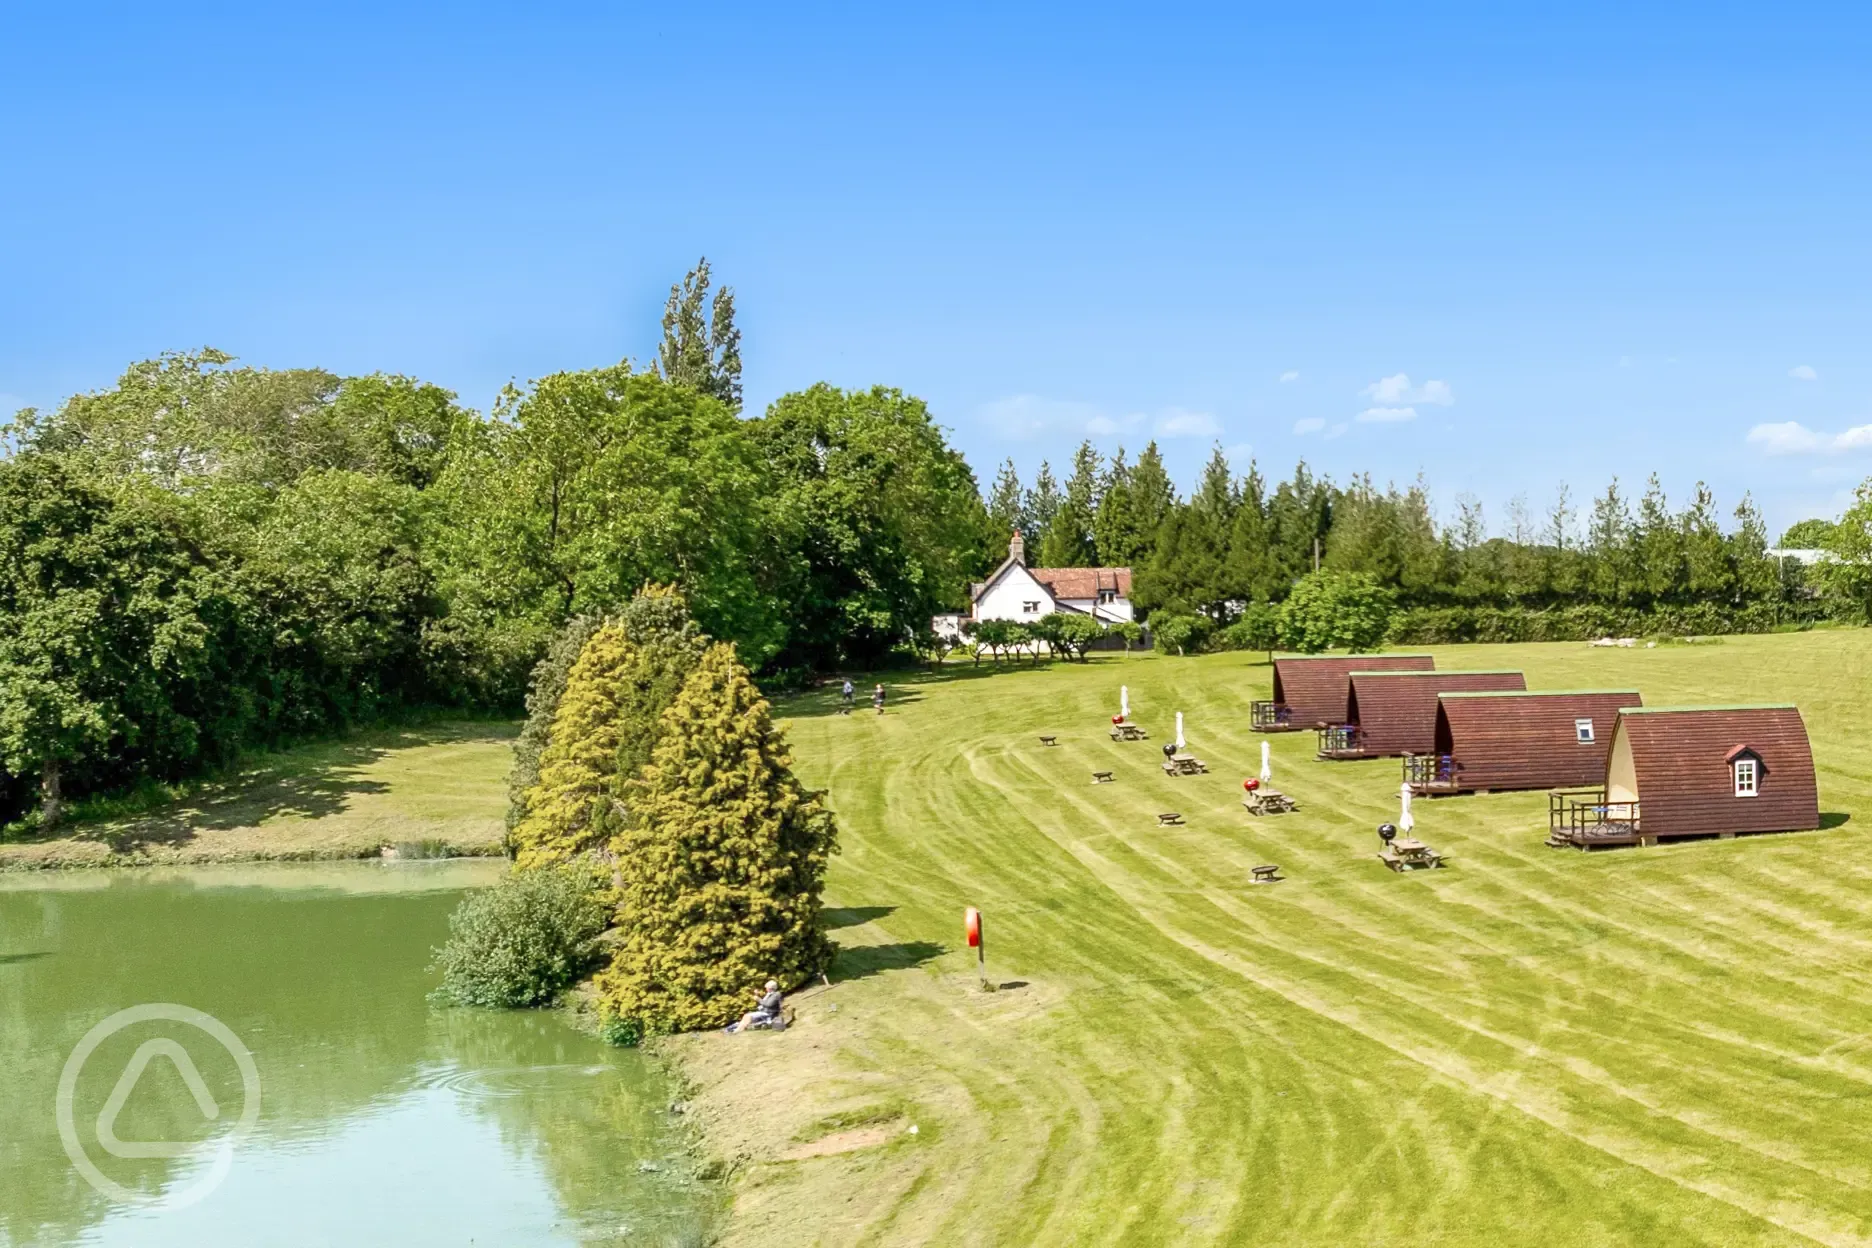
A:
(1429, 626)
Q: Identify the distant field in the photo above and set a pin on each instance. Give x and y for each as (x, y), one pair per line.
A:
(341, 799)
(1539, 1047)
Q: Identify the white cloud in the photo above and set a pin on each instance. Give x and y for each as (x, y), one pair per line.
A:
(1790, 437)
(1102, 426)
(1386, 415)
(1338, 430)
(1803, 372)
(1312, 424)
(1177, 422)
(1292, 374)
(1023, 416)
(1390, 392)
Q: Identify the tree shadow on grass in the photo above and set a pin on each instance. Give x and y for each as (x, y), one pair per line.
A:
(308, 782)
(10, 959)
(851, 916)
(1833, 818)
(859, 961)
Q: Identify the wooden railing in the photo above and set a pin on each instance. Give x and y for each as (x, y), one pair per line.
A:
(1578, 815)
(1340, 741)
(1270, 716)
(1430, 771)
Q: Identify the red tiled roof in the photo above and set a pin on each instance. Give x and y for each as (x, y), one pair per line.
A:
(1083, 582)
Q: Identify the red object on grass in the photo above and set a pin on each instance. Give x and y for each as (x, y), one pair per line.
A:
(1117, 719)
(972, 924)
(1251, 784)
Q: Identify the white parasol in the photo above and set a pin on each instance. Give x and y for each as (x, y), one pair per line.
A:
(1179, 730)
(1267, 764)
(1404, 821)
(1124, 701)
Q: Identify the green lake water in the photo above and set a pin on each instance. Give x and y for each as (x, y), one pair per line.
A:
(381, 1120)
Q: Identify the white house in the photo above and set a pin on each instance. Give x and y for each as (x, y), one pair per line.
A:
(1015, 591)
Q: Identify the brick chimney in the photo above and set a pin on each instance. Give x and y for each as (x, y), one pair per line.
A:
(1017, 549)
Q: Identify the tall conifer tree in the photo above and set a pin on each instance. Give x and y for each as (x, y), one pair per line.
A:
(721, 865)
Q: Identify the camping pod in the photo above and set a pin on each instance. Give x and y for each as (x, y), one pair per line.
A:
(1518, 739)
(1695, 771)
(1310, 690)
(1390, 713)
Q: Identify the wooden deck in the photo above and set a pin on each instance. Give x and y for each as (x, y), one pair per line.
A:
(1431, 774)
(1271, 717)
(1341, 741)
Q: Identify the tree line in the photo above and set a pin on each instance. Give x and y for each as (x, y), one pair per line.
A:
(1204, 563)
(209, 558)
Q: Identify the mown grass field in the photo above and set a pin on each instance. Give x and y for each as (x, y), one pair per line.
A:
(1542, 1047)
(442, 783)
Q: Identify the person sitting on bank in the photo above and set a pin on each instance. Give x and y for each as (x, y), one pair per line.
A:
(763, 1015)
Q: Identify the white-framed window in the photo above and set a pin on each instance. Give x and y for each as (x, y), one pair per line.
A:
(1031, 608)
(1108, 595)
(1747, 777)
(1582, 730)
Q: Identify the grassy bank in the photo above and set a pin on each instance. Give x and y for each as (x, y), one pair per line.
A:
(439, 789)
(1537, 1047)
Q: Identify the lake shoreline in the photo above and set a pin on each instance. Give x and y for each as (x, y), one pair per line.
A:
(74, 854)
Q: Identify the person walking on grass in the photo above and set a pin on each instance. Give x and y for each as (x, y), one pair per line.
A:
(877, 697)
(849, 694)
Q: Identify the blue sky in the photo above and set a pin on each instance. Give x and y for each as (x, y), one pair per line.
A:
(1525, 248)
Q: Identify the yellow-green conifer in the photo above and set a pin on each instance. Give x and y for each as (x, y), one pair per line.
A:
(721, 864)
(568, 813)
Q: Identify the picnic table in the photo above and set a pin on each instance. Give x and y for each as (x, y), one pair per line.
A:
(1101, 777)
(1046, 739)
(1269, 874)
(1169, 818)
(1409, 855)
(1267, 801)
(1128, 732)
(1184, 765)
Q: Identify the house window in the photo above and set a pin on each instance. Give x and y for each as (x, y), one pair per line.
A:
(1031, 608)
(1108, 595)
(1746, 770)
(1582, 729)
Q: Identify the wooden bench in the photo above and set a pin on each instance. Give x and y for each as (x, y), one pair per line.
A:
(1410, 855)
(1101, 777)
(1129, 732)
(1169, 818)
(1045, 740)
(1184, 765)
(1268, 802)
(1265, 875)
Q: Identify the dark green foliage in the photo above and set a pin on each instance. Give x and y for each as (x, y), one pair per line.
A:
(547, 687)
(1067, 541)
(702, 350)
(665, 645)
(1067, 632)
(1256, 628)
(521, 942)
(999, 637)
(1181, 634)
(722, 864)
(874, 523)
(1810, 534)
(1336, 611)
(107, 611)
